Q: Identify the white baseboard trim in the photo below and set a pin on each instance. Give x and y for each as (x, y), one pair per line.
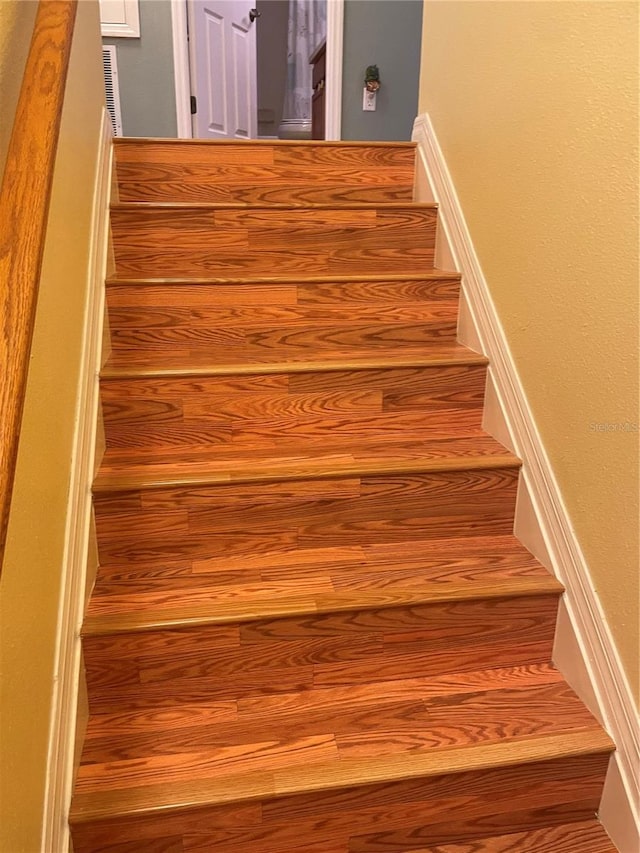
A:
(541, 506)
(62, 733)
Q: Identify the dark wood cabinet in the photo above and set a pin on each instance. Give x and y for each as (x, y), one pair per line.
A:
(318, 82)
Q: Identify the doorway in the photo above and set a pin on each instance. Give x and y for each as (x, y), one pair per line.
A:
(333, 102)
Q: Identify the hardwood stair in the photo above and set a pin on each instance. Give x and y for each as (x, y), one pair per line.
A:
(283, 173)
(312, 630)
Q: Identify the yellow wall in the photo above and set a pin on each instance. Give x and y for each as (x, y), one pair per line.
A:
(16, 26)
(535, 105)
(34, 565)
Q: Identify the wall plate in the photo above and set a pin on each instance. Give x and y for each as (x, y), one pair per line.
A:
(368, 100)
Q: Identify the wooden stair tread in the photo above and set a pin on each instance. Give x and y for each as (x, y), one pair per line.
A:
(280, 361)
(283, 279)
(330, 207)
(580, 837)
(475, 696)
(181, 715)
(253, 465)
(141, 142)
(314, 580)
(397, 720)
(205, 786)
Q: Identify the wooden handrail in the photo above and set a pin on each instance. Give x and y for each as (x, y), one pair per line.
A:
(24, 206)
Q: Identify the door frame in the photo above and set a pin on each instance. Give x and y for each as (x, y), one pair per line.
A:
(333, 98)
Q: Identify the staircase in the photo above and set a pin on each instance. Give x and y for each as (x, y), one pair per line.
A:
(312, 630)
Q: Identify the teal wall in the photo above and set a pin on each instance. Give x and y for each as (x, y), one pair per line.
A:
(145, 71)
(386, 33)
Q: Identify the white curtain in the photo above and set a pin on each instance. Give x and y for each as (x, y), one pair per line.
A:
(307, 29)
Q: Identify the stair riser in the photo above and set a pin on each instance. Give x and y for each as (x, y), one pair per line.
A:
(141, 400)
(254, 319)
(195, 417)
(256, 295)
(212, 342)
(198, 242)
(264, 174)
(208, 430)
(200, 523)
(441, 392)
(379, 818)
(159, 183)
(281, 655)
(211, 155)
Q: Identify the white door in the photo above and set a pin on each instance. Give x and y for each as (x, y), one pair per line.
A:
(222, 46)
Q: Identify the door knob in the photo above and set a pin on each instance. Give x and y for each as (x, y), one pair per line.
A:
(253, 14)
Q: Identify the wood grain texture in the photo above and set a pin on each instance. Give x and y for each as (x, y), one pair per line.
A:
(205, 154)
(526, 818)
(359, 729)
(269, 316)
(435, 570)
(489, 778)
(173, 240)
(262, 463)
(321, 650)
(24, 204)
(312, 628)
(229, 340)
(264, 174)
(184, 361)
(200, 426)
(582, 837)
(388, 509)
(298, 290)
(426, 389)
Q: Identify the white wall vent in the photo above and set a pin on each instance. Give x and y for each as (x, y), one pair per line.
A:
(111, 86)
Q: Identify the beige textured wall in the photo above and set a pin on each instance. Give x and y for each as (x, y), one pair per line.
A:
(34, 564)
(16, 26)
(535, 105)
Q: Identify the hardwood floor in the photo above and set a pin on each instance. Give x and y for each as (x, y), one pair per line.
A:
(312, 629)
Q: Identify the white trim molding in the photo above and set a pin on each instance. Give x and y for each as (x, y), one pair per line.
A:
(585, 650)
(335, 47)
(62, 733)
(181, 72)
(119, 18)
